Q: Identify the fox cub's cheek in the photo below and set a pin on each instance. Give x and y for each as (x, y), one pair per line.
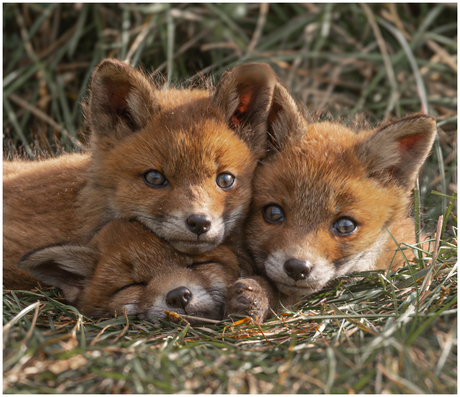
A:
(129, 296)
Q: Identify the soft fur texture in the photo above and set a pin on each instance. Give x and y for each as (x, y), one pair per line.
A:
(321, 175)
(127, 266)
(189, 136)
(41, 207)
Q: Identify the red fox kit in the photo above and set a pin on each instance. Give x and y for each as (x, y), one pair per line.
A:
(127, 266)
(178, 161)
(324, 202)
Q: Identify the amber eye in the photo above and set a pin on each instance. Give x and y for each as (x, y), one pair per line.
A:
(273, 213)
(225, 181)
(345, 226)
(155, 179)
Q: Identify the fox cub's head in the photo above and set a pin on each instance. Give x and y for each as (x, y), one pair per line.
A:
(178, 161)
(127, 266)
(323, 201)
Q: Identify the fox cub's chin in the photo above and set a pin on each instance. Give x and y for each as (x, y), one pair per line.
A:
(127, 267)
(327, 200)
(179, 161)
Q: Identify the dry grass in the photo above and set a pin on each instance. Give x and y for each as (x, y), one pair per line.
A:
(392, 333)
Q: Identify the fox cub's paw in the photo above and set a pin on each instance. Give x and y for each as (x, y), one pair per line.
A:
(247, 297)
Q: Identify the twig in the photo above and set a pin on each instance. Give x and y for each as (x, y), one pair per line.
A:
(444, 56)
(202, 72)
(400, 382)
(146, 27)
(259, 27)
(21, 314)
(393, 100)
(32, 326)
(93, 342)
(184, 48)
(124, 329)
(425, 289)
(14, 121)
(43, 116)
(395, 17)
(410, 56)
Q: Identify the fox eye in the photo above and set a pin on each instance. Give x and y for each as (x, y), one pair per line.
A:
(273, 213)
(225, 181)
(195, 264)
(345, 226)
(128, 286)
(155, 179)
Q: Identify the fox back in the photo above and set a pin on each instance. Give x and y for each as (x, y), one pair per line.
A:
(40, 207)
(125, 266)
(327, 200)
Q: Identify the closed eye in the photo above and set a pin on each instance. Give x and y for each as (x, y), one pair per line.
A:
(129, 286)
(193, 265)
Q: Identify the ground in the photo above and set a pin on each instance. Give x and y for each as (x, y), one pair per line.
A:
(394, 333)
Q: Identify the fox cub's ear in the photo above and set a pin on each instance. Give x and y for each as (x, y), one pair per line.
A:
(285, 122)
(397, 150)
(244, 95)
(67, 267)
(121, 99)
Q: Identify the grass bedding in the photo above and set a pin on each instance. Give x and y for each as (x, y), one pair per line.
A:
(379, 333)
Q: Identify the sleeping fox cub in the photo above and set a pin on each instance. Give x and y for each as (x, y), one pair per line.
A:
(127, 266)
(178, 161)
(324, 204)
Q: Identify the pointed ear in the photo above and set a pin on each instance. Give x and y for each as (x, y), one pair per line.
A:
(285, 122)
(121, 100)
(67, 267)
(244, 95)
(397, 150)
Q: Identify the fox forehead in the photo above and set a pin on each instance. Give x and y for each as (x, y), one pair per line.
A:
(193, 150)
(133, 248)
(176, 97)
(321, 178)
(157, 265)
(137, 252)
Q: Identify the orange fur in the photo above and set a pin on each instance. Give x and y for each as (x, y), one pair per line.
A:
(332, 173)
(127, 266)
(186, 136)
(323, 177)
(40, 207)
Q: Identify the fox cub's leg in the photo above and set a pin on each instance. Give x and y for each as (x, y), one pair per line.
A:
(252, 296)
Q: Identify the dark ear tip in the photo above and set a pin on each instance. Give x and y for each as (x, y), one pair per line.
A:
(27, 256)
(255, 72)
(32, 252)
(420, 116)
(424, 121)
(110, 63)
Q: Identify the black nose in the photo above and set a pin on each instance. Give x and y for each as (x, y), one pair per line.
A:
(179, 297)
(297, 270)
(199, 224)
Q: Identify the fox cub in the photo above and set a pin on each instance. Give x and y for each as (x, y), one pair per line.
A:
(127, 266)
(324, 205)
(179, 161)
